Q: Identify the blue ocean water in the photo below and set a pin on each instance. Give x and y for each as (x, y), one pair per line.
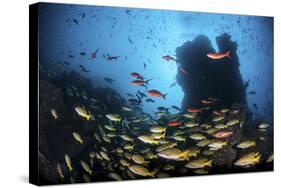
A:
(141, 37)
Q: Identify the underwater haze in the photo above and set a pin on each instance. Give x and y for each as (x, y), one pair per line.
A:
(142, 58)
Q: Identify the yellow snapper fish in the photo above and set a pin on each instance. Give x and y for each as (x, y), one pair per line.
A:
(270, 158)
(123, 162)
(77, 137)
(174, 153)
(224, 110)
(54, 114)
(141, 171)
(126, 109)
(59, 171)
(168, 167)
(232, 122)
(158, 136)
(218, 118)
(68, 162)
(127, 138)
(263, 125)
(178, 138)
(190, 115)
(201, 171)
(104, 155)
(206, 126)
(166, 146)
(81, 111)
(199, 163)
(246, 144)
(87, 178)
(211, 131)
(86, 167)
(110, 128)
(114, 176)
(217, 144)
(197, 136)
(150, 155)
(139, 159)
(203, 143)
(248, 159)
(191, 124)
(221, 126)
(158, 129)
(114, 117)
(128, 147)
(148, 139)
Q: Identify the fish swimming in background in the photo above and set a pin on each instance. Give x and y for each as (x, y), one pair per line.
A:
(252, 92)
(173, 84)
(82, 53)
(140, 82)
(137, 75)
(68, 162)
(110, 58)
(219, 55)
(94, 54)
(169, 58)
(54, 114)
(77, 137)
(114, 117)
(108, 80)
(183, 70)
(81, 111)
(130, 40)
(156, 93)
(150, 100)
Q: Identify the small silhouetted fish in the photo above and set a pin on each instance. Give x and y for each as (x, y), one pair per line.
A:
(162, 108)
(150, 100)
(128, 12)
(173, 84)
(144, 65)
(252, 92)
(255, 105)
(108, 80)
(75, 21)
(130, 95)
(82, 53)
(67, 63)
(176, 108)
(130, 40)
(83, 15)
(70, 56)
(142, 94)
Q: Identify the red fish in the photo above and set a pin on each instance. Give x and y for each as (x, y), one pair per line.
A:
(219, 55)
(194, 110)
(175, 123)
(156, 93)
(169, 58)
(94, 54)
(137, 75)
(183, 70)
(223, 134)
(140, 82)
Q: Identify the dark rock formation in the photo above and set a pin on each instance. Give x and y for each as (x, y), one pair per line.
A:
(207, 77)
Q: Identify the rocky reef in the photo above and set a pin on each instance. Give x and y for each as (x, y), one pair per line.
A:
(207, 77)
